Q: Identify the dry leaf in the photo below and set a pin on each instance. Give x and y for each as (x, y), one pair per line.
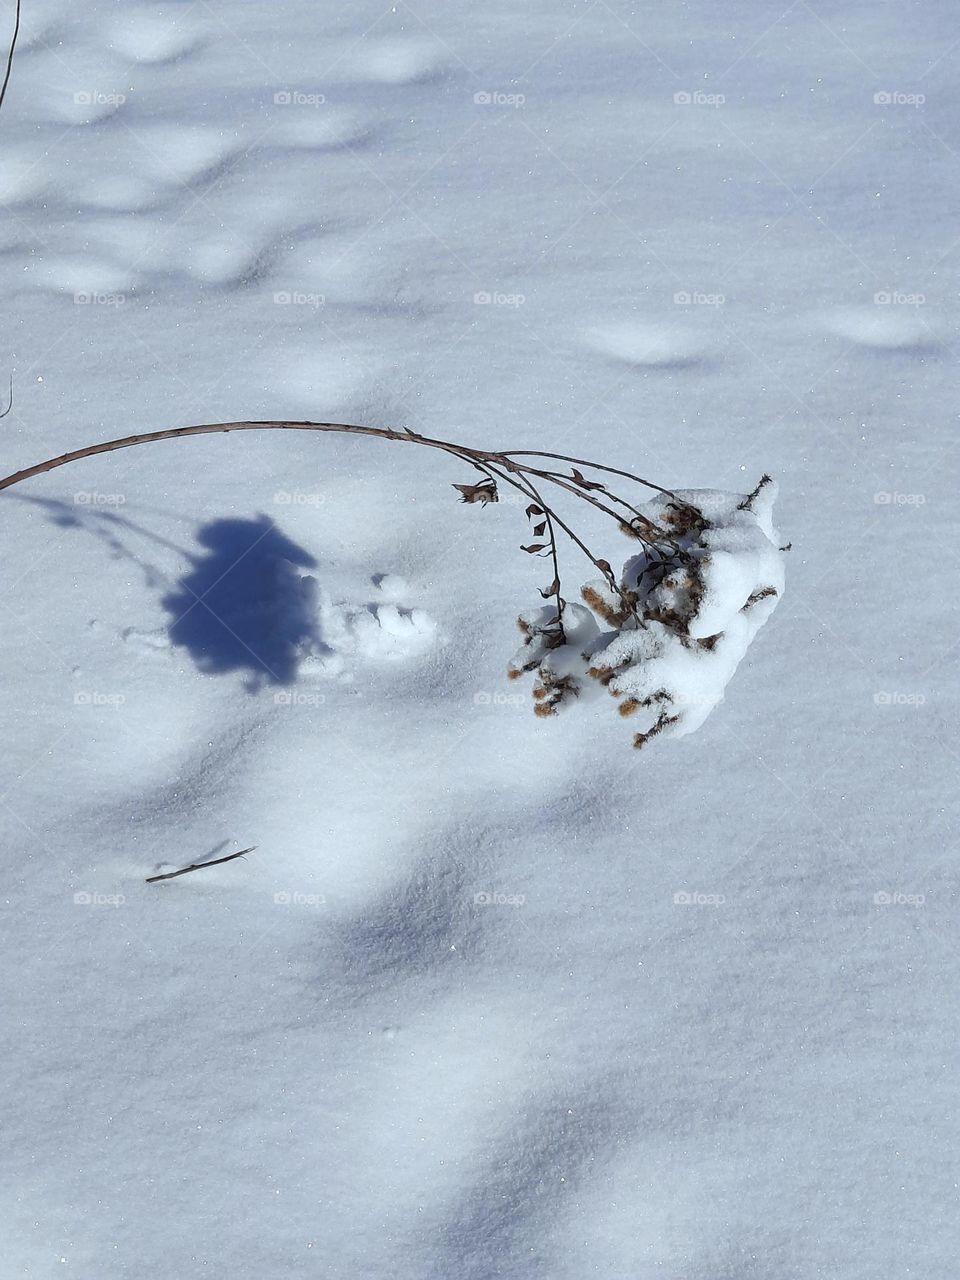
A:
(484, 492)
(580, 479)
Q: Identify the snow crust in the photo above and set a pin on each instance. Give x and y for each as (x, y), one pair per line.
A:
(495, 997)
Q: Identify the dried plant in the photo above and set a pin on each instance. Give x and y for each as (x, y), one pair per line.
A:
(198, 866)
(679, 615)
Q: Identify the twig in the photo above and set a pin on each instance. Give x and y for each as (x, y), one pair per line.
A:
(503, 466)
(564, 482)
(195, 866)
(13, 45)
(4, 413)
(562, 457)
(747, 503)
(383, 433)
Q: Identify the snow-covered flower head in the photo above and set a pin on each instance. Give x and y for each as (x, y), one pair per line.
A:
(665, 637)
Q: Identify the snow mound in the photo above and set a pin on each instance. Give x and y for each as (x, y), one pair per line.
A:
(645, 345)
(683, 614)
(382, 629)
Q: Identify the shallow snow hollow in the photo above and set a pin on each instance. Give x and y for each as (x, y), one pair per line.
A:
(681, 615)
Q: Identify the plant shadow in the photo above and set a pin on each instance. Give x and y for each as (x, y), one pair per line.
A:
(245, 605)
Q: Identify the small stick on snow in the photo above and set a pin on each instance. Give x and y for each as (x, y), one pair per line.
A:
(195, 866)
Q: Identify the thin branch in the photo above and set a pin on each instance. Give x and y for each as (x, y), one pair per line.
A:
(549, 516)
(527, 486)
(581, 462)
(594, 560)
(651, 528)
(196, 866)
(13, 45)
(528, 489)
(564, 482)
(4, 412)
(210, 428)
(665, 549)
(748, 501)
(503, 465)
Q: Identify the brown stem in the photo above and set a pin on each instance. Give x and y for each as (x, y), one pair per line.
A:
(210, 428)
(501, 463)
(196, 866)
(527, 488)
(657, 533)
(506, 460)
(563, 483)
(554, 555)
(574, 538)
(581, 462)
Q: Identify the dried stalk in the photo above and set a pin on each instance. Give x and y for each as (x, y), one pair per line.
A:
(503, 467)
(196, 866)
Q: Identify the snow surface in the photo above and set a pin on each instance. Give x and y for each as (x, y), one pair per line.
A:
(494, 996)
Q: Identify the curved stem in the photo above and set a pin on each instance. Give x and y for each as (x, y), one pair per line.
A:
(582, 462)
(563, 483)
(644, 520)
(548, 515)
(210, 428)
(503, 464)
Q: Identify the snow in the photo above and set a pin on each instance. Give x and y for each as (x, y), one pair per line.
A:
(494, 994)
(683, 613)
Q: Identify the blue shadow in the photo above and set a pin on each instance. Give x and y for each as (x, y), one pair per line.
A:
(245, 606)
